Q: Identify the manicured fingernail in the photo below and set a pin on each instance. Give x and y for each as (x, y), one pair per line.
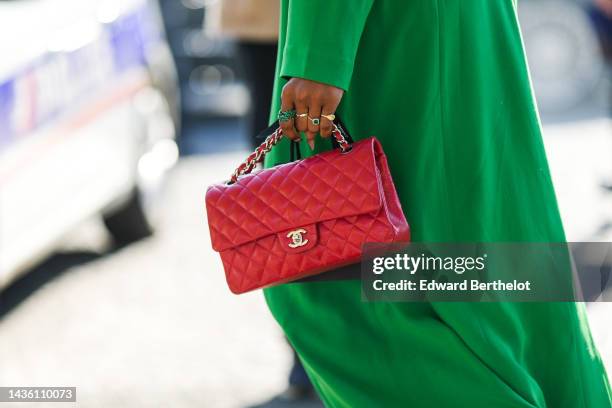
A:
(311, 144)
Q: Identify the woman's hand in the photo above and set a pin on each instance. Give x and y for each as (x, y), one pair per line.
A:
(310, 100)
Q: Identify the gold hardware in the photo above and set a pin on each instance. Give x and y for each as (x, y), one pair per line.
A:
(297, 240)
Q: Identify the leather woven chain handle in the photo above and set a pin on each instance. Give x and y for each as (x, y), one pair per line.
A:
(258, 155)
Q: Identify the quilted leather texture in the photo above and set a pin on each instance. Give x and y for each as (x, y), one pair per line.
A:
(336, 202)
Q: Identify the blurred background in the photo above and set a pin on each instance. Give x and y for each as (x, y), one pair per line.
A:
(116, 115)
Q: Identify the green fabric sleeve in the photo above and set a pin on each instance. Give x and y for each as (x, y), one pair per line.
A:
(322, 39)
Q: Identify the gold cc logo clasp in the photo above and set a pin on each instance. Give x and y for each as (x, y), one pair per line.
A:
(297, 240)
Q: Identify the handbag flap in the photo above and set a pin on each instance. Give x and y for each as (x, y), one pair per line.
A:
(322, 187)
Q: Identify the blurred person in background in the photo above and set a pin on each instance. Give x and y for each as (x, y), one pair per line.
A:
(601, 14)
(444, 85)
(253, 25)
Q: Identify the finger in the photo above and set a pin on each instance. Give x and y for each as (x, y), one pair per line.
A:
(301, 107)
(314, 113)
(327, 125)
(288, 126)
(314, 120)
(289, 130)
(301, 120)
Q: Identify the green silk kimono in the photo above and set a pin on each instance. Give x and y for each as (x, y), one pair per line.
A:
(444, 86)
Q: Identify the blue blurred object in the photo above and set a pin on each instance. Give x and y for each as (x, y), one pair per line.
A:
(208, 70)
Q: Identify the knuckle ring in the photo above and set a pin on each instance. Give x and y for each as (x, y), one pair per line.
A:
(284, 116)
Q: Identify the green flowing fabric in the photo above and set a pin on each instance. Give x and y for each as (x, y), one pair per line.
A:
(444, 86)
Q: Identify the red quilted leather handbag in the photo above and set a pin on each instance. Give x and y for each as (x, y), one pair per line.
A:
(303, 217)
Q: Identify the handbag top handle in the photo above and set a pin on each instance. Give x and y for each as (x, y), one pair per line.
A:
(260, 152)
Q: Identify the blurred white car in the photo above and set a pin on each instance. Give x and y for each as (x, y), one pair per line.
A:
(88, 117)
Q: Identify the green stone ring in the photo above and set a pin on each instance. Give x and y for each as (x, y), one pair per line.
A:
(315, 121)
(284, 116)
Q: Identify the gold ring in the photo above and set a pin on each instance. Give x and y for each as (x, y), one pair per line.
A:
(302, 115)
(329, 117)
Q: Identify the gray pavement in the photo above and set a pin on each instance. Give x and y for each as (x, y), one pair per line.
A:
(153, 325)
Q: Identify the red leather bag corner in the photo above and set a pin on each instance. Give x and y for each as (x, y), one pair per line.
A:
(304, 217)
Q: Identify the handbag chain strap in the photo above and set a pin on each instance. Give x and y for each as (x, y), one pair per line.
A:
(258, 155)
